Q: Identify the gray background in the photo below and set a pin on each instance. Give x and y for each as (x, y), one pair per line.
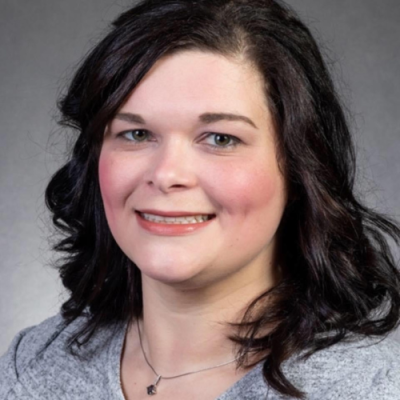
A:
(40, 44)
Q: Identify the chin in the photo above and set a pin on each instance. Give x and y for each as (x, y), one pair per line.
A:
(172, 273)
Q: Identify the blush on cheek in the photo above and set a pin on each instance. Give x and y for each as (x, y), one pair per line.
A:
(264, 187)
(249, 189)
(259, 197)
(104, 175)
(105, 171)
(104, 161)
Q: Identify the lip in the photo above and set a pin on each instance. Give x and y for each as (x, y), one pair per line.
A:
(169, 229)
(172, 213)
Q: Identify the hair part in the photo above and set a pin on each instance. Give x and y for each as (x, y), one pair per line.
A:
(339, 275)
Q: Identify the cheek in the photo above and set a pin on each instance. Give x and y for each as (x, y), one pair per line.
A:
(105, 177)
(106, 184)
(249, 188)
(113, 184)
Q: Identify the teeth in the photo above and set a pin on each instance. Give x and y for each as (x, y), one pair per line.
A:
(191, 219)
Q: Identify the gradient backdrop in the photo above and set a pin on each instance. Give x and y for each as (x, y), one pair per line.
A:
(42, 41)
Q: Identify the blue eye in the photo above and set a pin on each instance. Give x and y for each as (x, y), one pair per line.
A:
(136, 135)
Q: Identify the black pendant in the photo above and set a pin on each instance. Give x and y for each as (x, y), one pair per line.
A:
(151, 390)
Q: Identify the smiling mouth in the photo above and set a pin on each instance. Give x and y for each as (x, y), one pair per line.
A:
(188, 219)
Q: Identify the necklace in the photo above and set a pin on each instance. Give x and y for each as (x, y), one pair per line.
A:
(152, 389)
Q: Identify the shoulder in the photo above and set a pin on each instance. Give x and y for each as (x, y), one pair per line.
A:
(24, 347)
(363, 369)
(39, 360)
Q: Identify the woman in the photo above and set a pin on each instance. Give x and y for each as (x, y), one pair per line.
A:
(213, 246)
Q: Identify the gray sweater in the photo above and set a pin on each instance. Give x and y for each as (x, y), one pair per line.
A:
(38, 366)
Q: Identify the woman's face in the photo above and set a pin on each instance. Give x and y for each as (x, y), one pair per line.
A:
(195, 138)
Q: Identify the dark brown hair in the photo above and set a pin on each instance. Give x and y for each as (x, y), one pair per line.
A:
(338, 272)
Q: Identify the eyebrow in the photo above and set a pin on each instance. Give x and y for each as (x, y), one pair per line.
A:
(206, 118)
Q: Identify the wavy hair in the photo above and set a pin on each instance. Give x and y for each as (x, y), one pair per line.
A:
(339, 275)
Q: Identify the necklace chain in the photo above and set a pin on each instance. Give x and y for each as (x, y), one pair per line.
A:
(152, 389)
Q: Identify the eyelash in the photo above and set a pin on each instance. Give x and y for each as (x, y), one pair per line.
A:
(234, 141)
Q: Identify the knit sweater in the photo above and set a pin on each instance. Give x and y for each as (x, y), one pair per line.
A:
(38, 365)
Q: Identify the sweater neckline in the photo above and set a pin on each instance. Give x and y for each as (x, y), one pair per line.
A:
(114, 368)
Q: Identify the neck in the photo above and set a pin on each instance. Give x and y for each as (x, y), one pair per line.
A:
(183, 330)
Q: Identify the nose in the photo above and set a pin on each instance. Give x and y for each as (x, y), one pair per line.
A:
(172, 167)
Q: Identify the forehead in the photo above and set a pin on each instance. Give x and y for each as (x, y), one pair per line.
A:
(194, 82)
